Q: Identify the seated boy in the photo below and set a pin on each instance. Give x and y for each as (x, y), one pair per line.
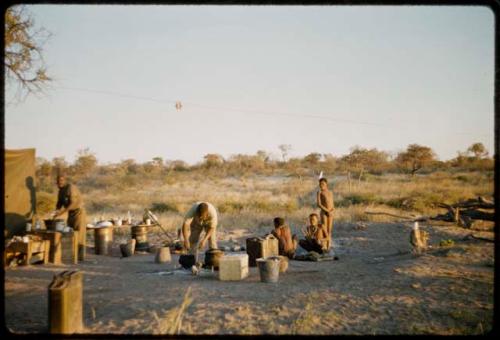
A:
(286, 243)
(316, 236)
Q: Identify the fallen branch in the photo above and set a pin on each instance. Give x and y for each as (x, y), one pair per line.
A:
(482, 238)
(389, 214)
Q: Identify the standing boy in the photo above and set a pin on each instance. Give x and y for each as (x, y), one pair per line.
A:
(324, 199)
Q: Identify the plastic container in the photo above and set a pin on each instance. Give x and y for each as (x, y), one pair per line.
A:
(269, 269)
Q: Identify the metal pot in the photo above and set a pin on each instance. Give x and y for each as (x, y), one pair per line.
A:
(51, 224)
(187, 260)
(212, 258)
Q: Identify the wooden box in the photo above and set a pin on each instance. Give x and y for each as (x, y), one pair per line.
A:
(233, 267)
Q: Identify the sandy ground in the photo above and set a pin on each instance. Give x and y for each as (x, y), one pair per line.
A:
(374, 288)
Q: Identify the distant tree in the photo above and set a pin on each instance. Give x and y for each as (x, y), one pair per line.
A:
(415, 158)
(23, 61)
(177, 165)
(312, 158)
(263, 155)
(213, 160)
(130, 166)
(85, 163)
(478, 150)
(149, 167)
(361, 160)
(285, 150)
(59, 165)
(158, 161)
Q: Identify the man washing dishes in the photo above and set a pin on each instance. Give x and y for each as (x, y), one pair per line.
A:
(202, 216)
(69, 199)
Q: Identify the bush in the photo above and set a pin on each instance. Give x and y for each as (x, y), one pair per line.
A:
(45, 203)
(229, 207)
(356, 199)
(159, 207)
(100, 206)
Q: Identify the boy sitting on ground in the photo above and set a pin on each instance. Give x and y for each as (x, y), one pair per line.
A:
(286, 243)
(316, 236)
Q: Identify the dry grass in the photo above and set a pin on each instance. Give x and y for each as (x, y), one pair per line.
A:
(171, 321)
(254, 201)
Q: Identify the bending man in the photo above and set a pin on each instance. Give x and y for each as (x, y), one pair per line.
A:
(201, 217)
(69, 199)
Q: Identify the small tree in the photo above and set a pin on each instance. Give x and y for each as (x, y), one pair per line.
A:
(213, 160)
(85, 163)
(59, 165)
(285, 150)
(478, 150)
(415, 158)
(23, 59)
(361, 160)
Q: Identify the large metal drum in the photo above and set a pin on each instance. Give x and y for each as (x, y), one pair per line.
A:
(140, 234)
(103, 240)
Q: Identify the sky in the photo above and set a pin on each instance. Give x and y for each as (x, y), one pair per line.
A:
(319, 78)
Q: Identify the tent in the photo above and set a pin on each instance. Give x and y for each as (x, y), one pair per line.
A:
(19, 186)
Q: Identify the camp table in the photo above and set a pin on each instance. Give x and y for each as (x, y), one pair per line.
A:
(29, 249)
(63, 246)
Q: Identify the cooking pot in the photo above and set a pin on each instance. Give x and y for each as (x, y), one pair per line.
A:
(51, 224)
(187, 260)
(212, 258)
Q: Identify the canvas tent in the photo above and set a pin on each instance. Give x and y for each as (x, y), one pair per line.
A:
(19, 186)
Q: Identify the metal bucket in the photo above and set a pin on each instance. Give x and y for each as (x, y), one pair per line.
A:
(140, 234)
(269, 269)
(128, 248)
(103, 240)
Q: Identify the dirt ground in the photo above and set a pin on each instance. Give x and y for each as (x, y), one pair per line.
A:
(376, 287)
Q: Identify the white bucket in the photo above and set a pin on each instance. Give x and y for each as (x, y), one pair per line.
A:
(59, 226)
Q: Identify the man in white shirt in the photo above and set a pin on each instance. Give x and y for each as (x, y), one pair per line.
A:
(202, 216)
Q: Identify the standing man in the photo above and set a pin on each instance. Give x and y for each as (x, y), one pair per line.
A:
(69, 199)
(202, 216)
(324, 199)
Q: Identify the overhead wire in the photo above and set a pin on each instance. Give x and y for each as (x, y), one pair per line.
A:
(232, 109)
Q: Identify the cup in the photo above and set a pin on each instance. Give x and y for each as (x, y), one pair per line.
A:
(28, 227)
(148, 221)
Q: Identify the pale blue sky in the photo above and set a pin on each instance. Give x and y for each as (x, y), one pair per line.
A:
(383, 77)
